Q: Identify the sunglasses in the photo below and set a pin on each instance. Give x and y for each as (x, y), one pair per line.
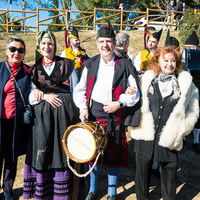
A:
(13, 49)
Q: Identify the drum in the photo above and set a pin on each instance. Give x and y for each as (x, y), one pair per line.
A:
(84, 141)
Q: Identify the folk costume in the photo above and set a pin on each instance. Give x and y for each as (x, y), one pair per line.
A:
(164, 106)
(46, 174)
(192, 64)
(13, 133)
(73, 54)
(144, 57)
(101, 83)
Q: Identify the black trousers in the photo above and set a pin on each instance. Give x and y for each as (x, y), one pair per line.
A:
(10, 167)
(168, 178)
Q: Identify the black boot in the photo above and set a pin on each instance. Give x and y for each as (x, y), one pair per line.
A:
(91, 196)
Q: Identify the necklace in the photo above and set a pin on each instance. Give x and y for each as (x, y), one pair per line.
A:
(46, 65)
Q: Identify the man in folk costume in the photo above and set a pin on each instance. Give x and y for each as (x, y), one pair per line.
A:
(100, 96)
(74, 52)
(192, 42)
(145, 56)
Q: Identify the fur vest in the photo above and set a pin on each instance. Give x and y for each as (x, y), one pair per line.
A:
(180, 122)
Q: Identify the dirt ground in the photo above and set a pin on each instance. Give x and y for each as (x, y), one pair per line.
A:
(188, 179)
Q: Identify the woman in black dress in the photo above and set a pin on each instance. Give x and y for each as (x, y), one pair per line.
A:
(46, 174)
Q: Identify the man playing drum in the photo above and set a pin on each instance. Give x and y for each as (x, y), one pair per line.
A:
(100, 96)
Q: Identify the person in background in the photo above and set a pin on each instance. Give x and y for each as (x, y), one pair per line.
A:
(178, 16)
(171, 6)
(118, 20)
(145, 56)
(13, 132)
(46, 173)
(122, 44)
(100, 96)
(192, 42)
(75, 52)
(170, 109)
(185, 6)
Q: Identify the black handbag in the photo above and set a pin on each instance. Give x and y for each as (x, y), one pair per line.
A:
(27, 115)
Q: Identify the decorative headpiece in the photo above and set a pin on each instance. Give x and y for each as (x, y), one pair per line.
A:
(156, 35)
(172, 41)
(192, 39)
(106, 31)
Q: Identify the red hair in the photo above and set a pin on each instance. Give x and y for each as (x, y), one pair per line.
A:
(154, 63)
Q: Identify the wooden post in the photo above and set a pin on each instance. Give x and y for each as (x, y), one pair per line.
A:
(147, 16)
(7, 20)
(121, 20)
(38, 20)
(66, 21)
(95, 11)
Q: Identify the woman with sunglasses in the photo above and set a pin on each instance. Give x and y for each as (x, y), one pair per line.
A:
(13, 133)
(46, 173)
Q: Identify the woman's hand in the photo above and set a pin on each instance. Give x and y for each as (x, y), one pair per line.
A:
(84, 115)
(53, 99)
(131, 90)
(38, 94)
(111, 107)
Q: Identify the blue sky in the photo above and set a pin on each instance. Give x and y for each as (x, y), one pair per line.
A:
(30, 21)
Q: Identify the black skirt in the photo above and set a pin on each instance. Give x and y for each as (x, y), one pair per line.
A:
(48, 129)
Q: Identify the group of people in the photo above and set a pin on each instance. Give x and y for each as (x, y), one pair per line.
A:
(160, 106)
(180, 7)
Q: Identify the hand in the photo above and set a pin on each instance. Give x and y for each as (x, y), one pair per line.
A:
(38, 94)
(131, 90)
(53, 99)
(78, 59)
(84, 115)
(111, 107)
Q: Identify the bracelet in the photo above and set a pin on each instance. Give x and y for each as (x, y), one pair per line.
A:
(120, 103)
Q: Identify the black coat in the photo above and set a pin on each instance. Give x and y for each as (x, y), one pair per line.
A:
(21, 132)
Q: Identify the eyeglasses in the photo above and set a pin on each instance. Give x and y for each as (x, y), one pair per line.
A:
(13, 49)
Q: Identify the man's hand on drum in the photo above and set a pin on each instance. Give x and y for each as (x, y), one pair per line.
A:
(53, 99)
(111, 107)
(131, 90)
(38, 94)
(84, 115)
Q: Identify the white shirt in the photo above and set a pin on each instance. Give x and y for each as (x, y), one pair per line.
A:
(102, 91)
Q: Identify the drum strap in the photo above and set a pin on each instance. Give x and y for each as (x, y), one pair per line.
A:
(89, 171)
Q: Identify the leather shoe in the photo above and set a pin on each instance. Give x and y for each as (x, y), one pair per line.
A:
(111, 197)
(91, 196)
(196, 147)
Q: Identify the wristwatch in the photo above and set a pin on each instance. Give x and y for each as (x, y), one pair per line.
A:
(120, 103)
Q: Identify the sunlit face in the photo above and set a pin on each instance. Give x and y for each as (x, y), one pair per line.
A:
(75, 42)
(47, 48)
(167, 63)
(152, 43)
(13, 52)
(106, 46)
